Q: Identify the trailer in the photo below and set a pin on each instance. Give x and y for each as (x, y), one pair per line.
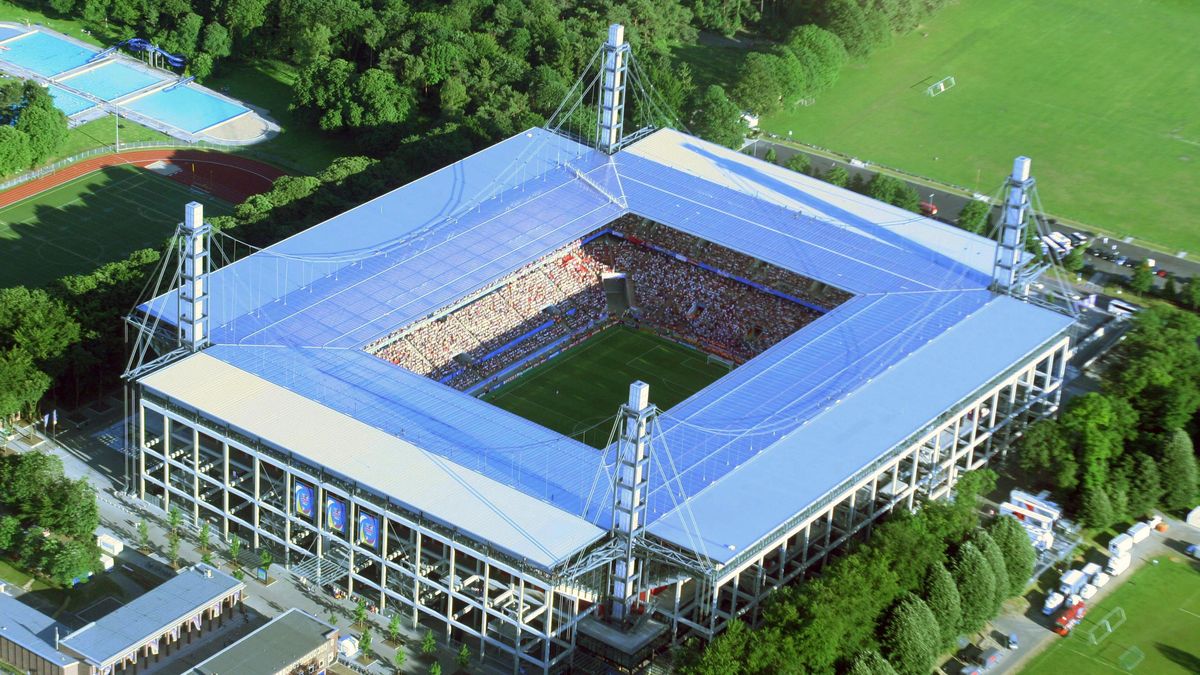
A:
(1118, 564)
(1053, 601)
(1139, 532)
(1120, 544)
(1072, 582)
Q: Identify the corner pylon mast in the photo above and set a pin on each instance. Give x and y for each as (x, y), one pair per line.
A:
(194, 235)
(630, 493)
(1007, 274)
(611, 122)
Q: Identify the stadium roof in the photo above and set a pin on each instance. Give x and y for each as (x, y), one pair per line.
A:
(272, 648)
(183, 595)
(299, 313)
(32, 630)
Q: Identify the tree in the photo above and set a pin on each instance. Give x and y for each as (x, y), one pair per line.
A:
(995, 559)
(1095, 509)
(798, 162)
(1043, 451)
(758, 87)
(45, 126)
(174, 519)
(173, 547)
(1190, 297)
(201, 66)
(1073, 261)
(38, 323)
(243, 16)
(464, 657)
(848, 20)
(435, 668)
(871, 662)
(1019, 556)
(398, 659)
(726, 17)
(1178, 471)
(911, 637)
(1143, 279)
(974, 216)
(976, 587)
(821, 53)
(74, 512)
(1146, 488)
(264, 558)
(202, 538)
(22, 383)
(143, 535)
(364, 640)
(235, 549)
(716, 118)
(71, 559)
(9, 527)
(771, 156)
(360, 612)
(725, 655)
(837, 175)
(941, 595)
(428, 643)
(216, 41)
(15, 154)
(393, 629)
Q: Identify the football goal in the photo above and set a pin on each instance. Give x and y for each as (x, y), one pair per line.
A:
(1131, 658)
(940, 86)
(1105, 627)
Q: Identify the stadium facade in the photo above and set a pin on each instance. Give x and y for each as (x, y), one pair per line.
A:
(268, 415)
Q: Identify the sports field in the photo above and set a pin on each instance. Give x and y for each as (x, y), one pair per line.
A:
(1162, 620)
(97, 218)
(578, 393)
(1102, 94)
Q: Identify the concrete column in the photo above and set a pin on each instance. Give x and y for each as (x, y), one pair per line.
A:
(225, 490)
(257, 468)
(166, 470)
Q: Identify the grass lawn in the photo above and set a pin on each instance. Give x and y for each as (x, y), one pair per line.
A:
(578, 393)
(1162, 610)
(16, 577)
(103, 216)
(267, 84)
(1102, 95)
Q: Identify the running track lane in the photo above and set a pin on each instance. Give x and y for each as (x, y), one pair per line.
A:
(232, 178)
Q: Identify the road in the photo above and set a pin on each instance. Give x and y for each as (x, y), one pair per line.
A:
(950, 202)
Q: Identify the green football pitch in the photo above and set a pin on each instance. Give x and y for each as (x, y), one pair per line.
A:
(578, 393)
(1162, 622)
(1102, 94)
(98, 218)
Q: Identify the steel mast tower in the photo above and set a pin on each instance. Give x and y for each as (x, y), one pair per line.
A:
(1009, 274)
(630, 492)
(194, 236)
(609, 129)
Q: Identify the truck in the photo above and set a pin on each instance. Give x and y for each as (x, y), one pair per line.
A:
(1053, 602)
(1070, 618)
(1090, 569)
(1118, 564)
(1120, 545)
(1139, 532)
(1072, 582)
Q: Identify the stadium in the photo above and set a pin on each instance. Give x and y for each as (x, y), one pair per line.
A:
(444, 400)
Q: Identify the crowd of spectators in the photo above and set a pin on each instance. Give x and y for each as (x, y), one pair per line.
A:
(563, 295)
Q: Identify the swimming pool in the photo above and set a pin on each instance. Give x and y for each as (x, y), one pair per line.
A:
(69, 103)
(112, 80)
(186, 108)
(8, 31)
(45, 54)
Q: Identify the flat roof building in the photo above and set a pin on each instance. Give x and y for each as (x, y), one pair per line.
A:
(294, 641)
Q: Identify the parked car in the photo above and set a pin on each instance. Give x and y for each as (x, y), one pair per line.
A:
(1121, 260)
(1162, 273)
(1194, 551)
(1012, 641)
(1087, 592)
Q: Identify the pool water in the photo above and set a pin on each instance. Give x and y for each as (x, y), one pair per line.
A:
(8, 31)
(69, 103)
(112, 80)
(186, 108)
(45, 54)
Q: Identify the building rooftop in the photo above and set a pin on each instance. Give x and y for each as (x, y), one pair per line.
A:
(180, 597)
(297, 315)
(32, 630)
(271, 648)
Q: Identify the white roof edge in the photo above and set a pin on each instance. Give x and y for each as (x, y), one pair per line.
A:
(502, 516)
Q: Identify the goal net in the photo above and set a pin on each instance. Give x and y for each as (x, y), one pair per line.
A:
(939, 86)
(1131, 658)
(1110, 622)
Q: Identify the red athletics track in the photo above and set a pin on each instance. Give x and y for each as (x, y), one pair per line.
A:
(228, 177)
